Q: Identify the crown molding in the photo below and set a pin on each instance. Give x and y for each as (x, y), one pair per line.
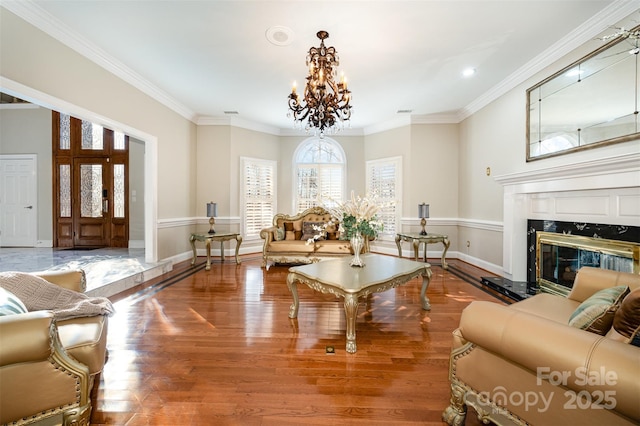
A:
(38, 17)
(609, 16)
(617, 164)
(44, 21)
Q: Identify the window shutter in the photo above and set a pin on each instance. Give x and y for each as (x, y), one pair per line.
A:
(259, 195)
(384, 180)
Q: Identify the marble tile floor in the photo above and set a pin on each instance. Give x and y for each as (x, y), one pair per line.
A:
(109, 270)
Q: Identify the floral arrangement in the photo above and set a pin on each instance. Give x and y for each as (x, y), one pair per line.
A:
(357, 216)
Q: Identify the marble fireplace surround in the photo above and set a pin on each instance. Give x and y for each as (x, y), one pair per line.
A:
(605, 191)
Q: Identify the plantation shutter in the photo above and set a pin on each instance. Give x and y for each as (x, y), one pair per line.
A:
(384, 180)
(259, 195)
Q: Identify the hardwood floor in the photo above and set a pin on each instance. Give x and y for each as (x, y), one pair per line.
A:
(217, 348)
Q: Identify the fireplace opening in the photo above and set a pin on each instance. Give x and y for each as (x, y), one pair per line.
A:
(557, 250)
(560, 256)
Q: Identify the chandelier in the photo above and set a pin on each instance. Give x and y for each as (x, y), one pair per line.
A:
(325, 106)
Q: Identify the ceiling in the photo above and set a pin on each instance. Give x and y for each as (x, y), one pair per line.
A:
(207, 58)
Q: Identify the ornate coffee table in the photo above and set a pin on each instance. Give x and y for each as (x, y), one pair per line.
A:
(207, 238)
(381, 273)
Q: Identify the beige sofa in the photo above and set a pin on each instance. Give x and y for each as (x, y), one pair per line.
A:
(286, 241)
(523, 363)
(48, 367)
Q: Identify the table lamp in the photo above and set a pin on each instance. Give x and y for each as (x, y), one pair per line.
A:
(212, 211)
(423, 214)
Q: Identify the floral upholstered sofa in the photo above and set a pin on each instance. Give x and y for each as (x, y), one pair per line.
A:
(287, 241)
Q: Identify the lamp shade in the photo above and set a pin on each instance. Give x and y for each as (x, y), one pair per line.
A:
(423, 210)
(212, 209)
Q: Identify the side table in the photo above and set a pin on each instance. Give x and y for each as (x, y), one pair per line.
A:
(417, 239)
(208, 238)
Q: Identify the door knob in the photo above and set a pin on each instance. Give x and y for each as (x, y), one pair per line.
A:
(29, 207)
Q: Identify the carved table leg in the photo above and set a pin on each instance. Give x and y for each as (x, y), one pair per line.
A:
(293, 288)
(426, 279)
(192, 240)
(208, 247)
(222, 250)
(446, 244)
(351, 311)
(398, 239)
(416, 249)
(238, 242)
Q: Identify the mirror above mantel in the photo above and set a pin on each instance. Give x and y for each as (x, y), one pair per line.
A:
(592, 102)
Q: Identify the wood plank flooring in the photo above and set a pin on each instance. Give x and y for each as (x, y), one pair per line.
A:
(217, 348)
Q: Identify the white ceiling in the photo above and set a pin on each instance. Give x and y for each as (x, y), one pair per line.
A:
(203, 58)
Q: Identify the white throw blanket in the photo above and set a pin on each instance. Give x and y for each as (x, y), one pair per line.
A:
(39, 294)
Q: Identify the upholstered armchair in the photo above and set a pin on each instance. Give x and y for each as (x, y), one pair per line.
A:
(48, 366)
(38, 378)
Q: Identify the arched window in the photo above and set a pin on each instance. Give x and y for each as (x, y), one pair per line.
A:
(319, 172)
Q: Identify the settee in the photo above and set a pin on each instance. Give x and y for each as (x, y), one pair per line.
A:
(48, 359)
(286, 241)
(551, 360)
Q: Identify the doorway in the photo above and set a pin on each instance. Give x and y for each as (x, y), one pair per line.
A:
(90, 184)
(18, 200)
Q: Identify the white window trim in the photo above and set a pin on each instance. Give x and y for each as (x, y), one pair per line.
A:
(243, 203)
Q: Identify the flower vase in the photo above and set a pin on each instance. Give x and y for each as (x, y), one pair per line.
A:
(357, 242)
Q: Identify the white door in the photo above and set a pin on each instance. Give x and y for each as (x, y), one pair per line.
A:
(18, 201)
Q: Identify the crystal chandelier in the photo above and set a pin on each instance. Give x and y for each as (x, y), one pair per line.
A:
(325, 106)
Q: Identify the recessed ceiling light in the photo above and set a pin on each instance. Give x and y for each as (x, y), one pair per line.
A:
(468, 72)
(279, 35)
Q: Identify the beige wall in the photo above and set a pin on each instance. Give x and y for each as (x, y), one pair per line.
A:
(39, 62)
(443, 164)
(28, 131)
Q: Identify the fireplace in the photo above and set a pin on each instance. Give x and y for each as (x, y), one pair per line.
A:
(556, 251)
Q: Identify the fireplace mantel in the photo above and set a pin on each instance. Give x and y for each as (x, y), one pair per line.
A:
(605, 190)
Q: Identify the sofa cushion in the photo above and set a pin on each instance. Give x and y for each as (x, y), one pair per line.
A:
(626, 320)
(10, 304)
(333, 247)
(310, 231)
(288, 246)
(596, 313)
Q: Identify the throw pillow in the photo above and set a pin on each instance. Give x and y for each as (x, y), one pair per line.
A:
(635, 338)
(627, 318)
(279, 234)
(10, 304)
(297, 229)
(309, 230)
(596, 313)
(288, 226)
(289, 235)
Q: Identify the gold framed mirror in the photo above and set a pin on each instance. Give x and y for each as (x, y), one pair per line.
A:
(592, 102)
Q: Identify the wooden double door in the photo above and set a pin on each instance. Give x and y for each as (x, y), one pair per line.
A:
(90, 185)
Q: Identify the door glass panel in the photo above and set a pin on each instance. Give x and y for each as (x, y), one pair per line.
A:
(65, 131)
(118, 190)
(91, 135)
(65, 190)
(118, 140)
(91, 190)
